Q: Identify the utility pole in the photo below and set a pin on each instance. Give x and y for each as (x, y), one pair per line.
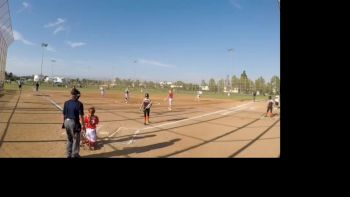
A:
(42, 59)
(52, 61)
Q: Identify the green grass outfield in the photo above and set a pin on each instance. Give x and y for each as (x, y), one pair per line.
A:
(135, 92)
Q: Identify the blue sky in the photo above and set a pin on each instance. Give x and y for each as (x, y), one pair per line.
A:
(156, 40)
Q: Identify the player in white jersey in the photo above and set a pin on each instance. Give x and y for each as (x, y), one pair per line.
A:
(199, 94)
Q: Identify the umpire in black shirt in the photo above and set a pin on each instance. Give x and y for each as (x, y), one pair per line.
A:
(73, 108)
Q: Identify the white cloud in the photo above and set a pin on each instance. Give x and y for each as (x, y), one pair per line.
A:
(50, 48)
(58, 25)
(75, 44)
(236, 4)
(25, 4)
(154, 63)
(58, 29)
(59, 21)
(18, 37)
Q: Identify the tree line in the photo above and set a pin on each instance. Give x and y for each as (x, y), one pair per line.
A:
(242, 84)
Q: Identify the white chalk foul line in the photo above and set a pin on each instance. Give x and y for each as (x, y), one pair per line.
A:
(115, 132)
(54, 103)
(131, 141)
(239, 108)
(201, 116)
(133, 137)
(229, 112)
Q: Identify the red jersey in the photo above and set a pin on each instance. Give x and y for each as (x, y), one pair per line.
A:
(171, 95)
(91, 121)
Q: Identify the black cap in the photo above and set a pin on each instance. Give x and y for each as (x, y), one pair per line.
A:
(75, 92)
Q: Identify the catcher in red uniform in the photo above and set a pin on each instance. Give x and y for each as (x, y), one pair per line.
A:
(91, 121)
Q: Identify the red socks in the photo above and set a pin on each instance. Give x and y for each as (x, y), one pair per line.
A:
(146, 119)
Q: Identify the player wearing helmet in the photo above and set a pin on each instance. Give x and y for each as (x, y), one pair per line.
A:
(146, 107)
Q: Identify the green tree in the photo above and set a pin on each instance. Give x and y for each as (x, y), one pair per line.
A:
(251, 86)
(129, 83)
(194, 87)
(84, 82)
(180, 83)
(234, 82)
(212, 85)
(260, 85)
(188, 86)
(137, 83)
(203, 83)
(244, 82)
(118, 81)
(268, 88)
(221, 85)
(275, 83)
(11, 77)
(151, 84)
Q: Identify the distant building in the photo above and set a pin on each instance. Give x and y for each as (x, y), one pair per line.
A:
(36, 78)
(204, 88)
(6, 38)
(165, 83)
(176, 86)
(235, 90)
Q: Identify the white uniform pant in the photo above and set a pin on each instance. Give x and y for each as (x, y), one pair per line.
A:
(91, 135)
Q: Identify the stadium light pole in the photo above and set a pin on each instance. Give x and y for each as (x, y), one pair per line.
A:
(52, 61)
(42, 58)
(232, 50)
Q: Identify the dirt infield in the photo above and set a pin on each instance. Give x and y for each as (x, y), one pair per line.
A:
(31, 127)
